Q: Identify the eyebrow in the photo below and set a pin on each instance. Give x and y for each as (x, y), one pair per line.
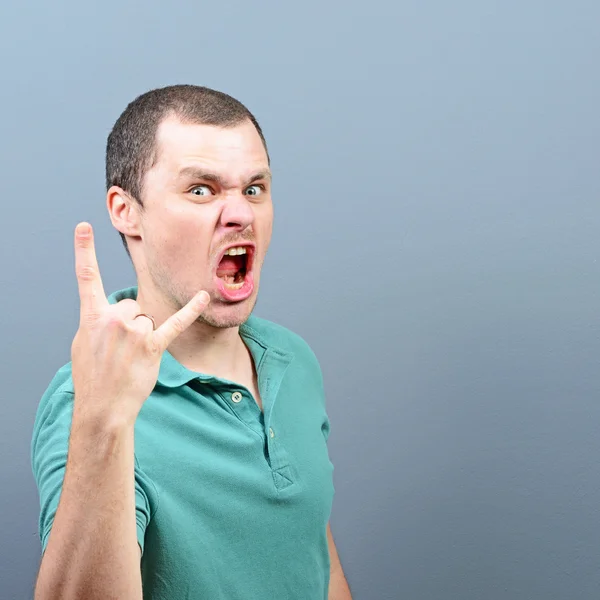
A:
(199, 173)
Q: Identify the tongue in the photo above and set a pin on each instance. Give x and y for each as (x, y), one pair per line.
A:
(230, 265)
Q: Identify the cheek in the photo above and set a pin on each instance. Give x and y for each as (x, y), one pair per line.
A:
(264, 221)
(178, 238)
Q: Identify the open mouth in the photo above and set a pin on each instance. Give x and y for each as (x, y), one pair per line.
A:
(234, 272)
(233, 266)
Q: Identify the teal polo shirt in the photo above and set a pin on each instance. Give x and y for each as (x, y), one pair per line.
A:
(231, 502)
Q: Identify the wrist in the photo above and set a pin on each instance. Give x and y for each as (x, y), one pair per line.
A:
(97, 420)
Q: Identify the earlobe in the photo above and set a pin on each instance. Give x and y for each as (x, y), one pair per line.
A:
(123, 211)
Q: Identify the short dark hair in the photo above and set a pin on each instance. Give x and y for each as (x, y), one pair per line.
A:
(131, 145)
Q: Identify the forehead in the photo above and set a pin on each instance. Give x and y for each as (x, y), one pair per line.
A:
(237, 148)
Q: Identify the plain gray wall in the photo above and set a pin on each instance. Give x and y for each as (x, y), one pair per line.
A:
(437, 209)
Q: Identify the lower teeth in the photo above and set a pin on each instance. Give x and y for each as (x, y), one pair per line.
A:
(230, 282)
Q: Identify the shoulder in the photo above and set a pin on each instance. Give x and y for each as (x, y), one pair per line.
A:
(62, 382)
(61, 386)
(57, 397)
(50, 436)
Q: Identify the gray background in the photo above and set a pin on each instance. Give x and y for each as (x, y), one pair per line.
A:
(436, 190)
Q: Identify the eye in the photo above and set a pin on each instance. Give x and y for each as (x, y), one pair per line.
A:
(201, 190)
(254, 190)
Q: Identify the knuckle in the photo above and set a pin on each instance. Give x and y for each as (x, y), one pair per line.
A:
(90, 318)
(114, 322)
(128, 302)
(154, 349)
(86, 273)
(137, 334)
(177, 324)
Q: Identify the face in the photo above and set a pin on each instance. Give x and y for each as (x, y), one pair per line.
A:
(207, 218)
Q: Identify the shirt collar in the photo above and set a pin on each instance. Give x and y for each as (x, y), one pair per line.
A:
(173, 374)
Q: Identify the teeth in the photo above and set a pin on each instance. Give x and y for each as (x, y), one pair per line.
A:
(234, 286)
(236, 251)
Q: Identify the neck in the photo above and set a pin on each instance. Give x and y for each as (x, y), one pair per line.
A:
(201, 347)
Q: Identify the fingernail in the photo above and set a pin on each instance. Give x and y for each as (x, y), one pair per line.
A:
(204, 297)
(83, 229)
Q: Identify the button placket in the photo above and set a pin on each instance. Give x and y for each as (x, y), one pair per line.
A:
(242, 404)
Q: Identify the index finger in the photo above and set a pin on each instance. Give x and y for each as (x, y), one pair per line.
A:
(91, 290)
(181, 320)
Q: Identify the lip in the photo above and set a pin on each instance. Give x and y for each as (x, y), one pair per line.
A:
(246, 290)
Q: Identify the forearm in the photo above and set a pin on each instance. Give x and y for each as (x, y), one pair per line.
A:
(92, 550)
(338, 586)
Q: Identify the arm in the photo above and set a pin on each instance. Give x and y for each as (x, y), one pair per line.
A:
(92, 550)
(338, 586)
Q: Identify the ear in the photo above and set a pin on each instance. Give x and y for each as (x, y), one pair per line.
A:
(124, 211)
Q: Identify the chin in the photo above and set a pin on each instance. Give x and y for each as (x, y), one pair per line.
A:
(227, 315)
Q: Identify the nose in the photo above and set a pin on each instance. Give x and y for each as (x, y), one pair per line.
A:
(237, 213)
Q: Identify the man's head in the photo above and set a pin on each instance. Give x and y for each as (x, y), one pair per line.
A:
(187, 173)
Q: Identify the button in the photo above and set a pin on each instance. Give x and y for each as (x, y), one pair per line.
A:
(271, 432)
(236, 397)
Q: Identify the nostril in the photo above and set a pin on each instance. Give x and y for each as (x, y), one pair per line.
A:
(239, 223)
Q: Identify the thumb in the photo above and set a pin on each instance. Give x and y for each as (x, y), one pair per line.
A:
(176, 324)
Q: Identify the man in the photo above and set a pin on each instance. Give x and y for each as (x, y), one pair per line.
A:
(182, 454)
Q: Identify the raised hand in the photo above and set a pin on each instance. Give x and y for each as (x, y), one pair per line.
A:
(116, 355)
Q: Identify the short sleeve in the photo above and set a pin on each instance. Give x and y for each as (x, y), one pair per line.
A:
(326, 427)
(325, 423)
(49, 447)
